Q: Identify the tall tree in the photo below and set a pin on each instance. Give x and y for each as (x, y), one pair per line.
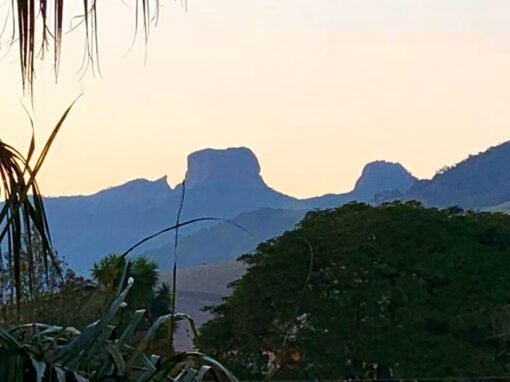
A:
(146, 275)
(394, 291)
(107, 272)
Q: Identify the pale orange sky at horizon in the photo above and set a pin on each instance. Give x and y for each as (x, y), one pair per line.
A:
(316, 88)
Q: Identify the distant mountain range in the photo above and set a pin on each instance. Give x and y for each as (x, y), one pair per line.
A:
(220, 183)
(227, 184)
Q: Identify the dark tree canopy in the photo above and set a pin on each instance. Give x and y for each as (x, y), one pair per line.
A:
(107, 273)
(396, 290)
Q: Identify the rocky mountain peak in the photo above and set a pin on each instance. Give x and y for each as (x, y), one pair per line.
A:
(232, 166)
(381, 176)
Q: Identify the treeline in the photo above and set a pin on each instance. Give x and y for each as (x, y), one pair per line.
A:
(372, 292)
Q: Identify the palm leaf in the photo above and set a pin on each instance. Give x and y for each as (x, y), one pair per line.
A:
(22, 212)
(39, 23)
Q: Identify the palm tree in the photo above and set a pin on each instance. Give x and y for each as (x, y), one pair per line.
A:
(106, 273)
(146, 274)
(22, 213)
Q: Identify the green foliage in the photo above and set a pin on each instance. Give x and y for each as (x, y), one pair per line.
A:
(396, 290)
(46, 297)
(107, 274)
(102, 351)
(143, 295)
(146, 273)
(75, 302)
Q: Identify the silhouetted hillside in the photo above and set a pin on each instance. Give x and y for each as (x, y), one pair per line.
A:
(478, 182)
(86, 228)
(219, 183)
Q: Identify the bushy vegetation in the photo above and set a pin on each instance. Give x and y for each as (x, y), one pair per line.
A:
(360, 291)
(105, 350)
(143, 294)
(116, 327)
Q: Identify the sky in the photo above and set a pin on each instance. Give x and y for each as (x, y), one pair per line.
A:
(316, 88)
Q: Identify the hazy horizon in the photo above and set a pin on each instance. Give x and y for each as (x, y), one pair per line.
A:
(316, 89)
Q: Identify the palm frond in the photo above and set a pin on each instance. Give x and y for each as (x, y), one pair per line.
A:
(37, 24)
(22, 213)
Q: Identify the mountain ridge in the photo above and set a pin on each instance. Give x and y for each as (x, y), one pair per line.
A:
(478, 182)
(223, 183)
